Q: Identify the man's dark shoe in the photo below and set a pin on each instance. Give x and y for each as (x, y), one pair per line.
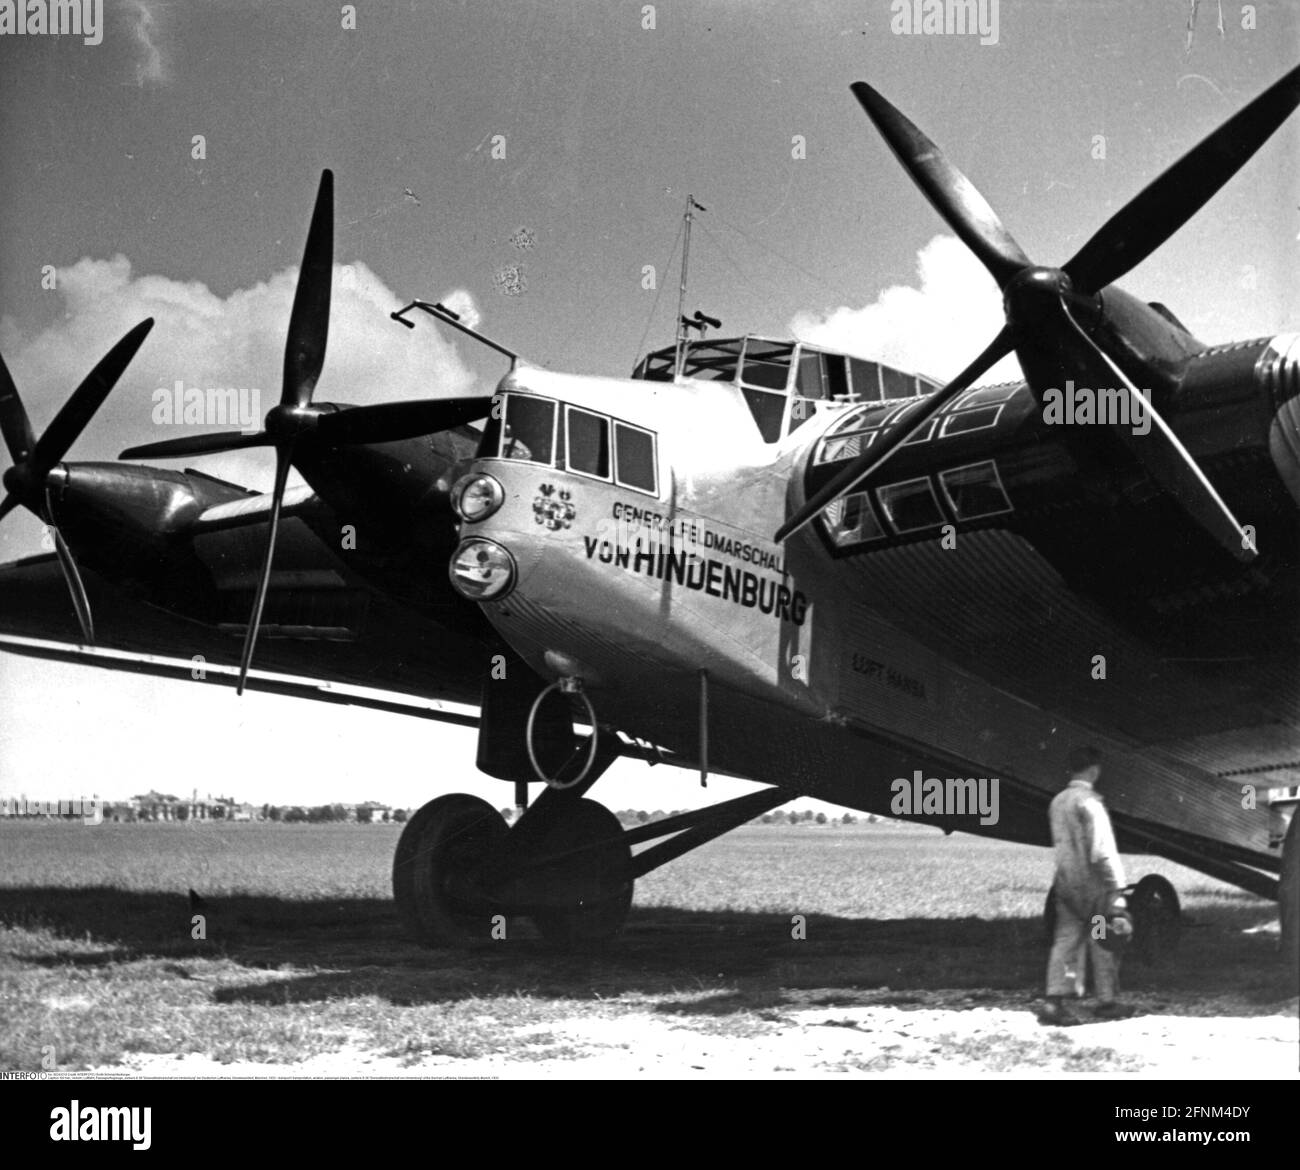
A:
(1113, 1010)
(1056, 1014)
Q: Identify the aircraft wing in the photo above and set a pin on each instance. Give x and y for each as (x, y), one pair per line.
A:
(394, 659)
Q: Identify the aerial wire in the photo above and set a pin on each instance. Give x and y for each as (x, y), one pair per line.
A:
(849, 298)
(659, 288)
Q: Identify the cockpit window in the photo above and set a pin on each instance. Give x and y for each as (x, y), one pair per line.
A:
(766, 364)
(634, 457)
(781, 398)
(588, 442)
(898, 384)
(768, 410)
(866, 380)
(529, 430)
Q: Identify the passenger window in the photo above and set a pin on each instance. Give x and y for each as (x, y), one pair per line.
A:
(634, 457)
(529, 431)
(588, 443)
(910, 505)
(852, 520)
(975, 491)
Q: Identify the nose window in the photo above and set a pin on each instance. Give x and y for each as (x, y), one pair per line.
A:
(529, 431)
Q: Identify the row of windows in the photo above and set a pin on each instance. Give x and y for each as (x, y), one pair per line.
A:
(782, 382)
(535, 430)
(766, 365)
(972, 493)
(975, 410)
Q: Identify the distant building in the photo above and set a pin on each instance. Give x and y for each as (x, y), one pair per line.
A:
(162, 806)
(157, 806)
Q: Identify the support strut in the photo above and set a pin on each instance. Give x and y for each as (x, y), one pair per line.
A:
(700, 827)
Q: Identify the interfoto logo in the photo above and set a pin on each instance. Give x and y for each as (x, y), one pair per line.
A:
(54, 18)
(946, 18)
(190, 406)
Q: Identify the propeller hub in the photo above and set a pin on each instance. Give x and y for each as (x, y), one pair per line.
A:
(290, 422)
(18, 480)
(1034, 294)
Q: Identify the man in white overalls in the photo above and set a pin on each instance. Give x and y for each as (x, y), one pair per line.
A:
(1089, 876)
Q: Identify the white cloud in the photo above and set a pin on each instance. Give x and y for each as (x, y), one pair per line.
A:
(462, 303)
(937, 328)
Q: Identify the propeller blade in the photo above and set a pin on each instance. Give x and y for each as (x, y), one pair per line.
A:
(14, 423)
(80, 602)
(1159, 451)
(1150, 218)
(390, 421)
(949, 191)
(304, 349)
(10, 502)
(283, 461)
(915, 418)
(196, 445)
(86, 399)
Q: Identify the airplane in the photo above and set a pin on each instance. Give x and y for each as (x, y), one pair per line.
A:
(754, 556)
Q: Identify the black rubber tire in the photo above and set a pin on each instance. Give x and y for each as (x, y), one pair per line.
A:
(1288, 903)
(448, 836)
(1157, 918)
(604, 907)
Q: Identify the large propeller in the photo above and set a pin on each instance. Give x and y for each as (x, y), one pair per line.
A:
(1043, 305)
(28, 481)
(294, 420)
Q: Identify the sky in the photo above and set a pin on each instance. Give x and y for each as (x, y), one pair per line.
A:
(532, 162)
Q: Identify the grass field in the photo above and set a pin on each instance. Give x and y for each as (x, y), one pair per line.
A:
(304, 958)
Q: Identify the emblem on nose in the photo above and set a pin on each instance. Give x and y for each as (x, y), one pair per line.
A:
(553, 508)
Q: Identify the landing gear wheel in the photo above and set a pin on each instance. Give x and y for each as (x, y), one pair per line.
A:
(1288, 902)
(601, 889)
(1157, 918)
(441, 844)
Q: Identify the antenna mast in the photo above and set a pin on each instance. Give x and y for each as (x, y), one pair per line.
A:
(680, 357)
